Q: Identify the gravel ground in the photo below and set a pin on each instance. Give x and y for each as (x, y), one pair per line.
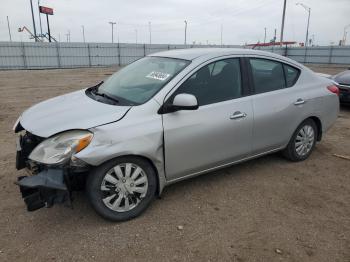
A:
(266, 209)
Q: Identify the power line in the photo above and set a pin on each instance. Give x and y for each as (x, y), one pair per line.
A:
(175, 26)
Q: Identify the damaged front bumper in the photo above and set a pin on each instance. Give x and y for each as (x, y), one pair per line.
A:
(44, 189)
(48, 185)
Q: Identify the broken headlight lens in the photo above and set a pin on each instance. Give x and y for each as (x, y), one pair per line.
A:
(60, 148)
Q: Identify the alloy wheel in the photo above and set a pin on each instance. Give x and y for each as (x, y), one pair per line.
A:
(304, 140)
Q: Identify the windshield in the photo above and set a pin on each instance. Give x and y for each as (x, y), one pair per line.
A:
(141, 80)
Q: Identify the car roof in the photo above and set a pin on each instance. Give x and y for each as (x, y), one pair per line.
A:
(210, 53)
(193, 53)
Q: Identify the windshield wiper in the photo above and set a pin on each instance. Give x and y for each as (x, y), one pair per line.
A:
(106, 96)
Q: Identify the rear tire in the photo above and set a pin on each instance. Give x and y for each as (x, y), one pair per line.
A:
(122, 188)
(302, 142)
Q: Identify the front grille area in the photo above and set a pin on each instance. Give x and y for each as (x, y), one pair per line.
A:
(27, 142)
(30, 141)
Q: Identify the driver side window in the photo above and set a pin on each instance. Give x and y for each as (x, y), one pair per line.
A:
(215, 82)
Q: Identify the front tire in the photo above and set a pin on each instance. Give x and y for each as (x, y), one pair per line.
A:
(122, 188)
(302, 142)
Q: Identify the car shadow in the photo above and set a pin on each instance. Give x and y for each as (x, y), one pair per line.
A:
(345, 107)
(82, 212)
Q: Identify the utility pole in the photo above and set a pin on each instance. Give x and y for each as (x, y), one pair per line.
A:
(112, 23)
(8, 27)
(185, 31)
(221, 35)
(117, 31)
(275, 36)
(136, 35)
(345, 34)
(41, 28)
(31, 7)
(150, 32)
(68, 36)
(48, 27)
(308, 9)
(283, 17)
(83, 33)
(265, 35)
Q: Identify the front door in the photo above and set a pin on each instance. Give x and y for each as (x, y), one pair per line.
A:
(219, 131)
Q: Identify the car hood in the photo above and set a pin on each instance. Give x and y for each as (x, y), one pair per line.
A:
(71, 111)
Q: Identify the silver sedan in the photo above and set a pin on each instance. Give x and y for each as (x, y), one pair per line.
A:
(167, 117)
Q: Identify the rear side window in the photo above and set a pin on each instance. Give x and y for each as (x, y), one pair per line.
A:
(268, 75)
(292, 75)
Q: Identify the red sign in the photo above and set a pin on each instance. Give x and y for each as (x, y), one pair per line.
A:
(46, 10)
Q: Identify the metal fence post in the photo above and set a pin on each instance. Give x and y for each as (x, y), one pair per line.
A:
(286, 51)
(25, 65)
(89, 54)
(119, 50)
(58, 55)
(144, 50)
(168, 47)
(330, 55)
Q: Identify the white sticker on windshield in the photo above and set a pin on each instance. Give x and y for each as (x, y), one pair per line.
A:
(158, 75)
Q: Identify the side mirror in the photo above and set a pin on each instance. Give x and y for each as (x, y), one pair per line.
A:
(181, 102)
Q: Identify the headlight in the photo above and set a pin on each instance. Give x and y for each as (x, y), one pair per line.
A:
(60, 148)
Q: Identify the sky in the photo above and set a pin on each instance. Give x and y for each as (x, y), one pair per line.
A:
(242, 21)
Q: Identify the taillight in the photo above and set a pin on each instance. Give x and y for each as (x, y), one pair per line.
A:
(334, 89)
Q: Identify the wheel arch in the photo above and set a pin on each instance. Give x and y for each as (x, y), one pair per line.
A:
(160, 184)
(318, 125)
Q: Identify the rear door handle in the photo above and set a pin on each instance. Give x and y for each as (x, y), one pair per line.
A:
(237, 115)
(299, 102)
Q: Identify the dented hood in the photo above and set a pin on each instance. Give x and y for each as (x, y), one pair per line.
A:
(71, 111)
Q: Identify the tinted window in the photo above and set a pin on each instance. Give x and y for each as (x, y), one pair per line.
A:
(216, 82)
(291, 75)
(267, 75)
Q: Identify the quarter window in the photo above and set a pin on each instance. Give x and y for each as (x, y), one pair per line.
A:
(292, 75)
(216, 82)
(267, 75)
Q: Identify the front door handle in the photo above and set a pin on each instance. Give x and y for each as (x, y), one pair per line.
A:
(299, 102)
(237, 115)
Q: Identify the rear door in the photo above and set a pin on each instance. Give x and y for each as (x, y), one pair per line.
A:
(278, 103)
(219, 131)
